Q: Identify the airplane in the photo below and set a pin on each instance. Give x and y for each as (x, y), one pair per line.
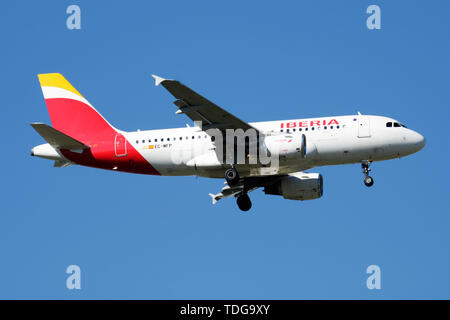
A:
(273, 155)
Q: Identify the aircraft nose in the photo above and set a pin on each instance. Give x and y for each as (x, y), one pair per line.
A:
(418, 141)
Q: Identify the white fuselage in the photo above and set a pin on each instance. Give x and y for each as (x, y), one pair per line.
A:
(330, 141)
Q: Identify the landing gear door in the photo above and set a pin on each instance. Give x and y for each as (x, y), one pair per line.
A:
(120, 145)
(363, 126)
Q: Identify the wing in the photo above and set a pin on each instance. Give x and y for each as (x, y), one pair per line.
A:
(200, 109)
(228, 191)
(246, 185)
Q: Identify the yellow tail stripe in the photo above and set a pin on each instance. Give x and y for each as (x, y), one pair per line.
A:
(56, 80)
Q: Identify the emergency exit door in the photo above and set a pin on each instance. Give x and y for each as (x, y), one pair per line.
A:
(120, 145)
(363, 127)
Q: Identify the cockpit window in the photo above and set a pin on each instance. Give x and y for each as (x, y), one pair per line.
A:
(403, 125)
(394, 124)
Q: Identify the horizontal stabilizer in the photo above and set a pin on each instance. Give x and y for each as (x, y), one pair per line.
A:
(56, 138)
(61, 164)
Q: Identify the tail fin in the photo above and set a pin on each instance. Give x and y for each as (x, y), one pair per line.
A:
(70, 112)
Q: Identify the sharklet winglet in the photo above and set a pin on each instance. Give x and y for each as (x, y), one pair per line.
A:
(213, 196)
(158, 80)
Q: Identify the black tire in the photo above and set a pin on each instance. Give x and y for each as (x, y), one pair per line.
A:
(368, 181)
(232, 176)
(244, 203)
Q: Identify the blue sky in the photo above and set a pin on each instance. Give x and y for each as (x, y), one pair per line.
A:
(137, 236)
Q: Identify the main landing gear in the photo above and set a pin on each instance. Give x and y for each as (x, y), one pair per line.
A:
(244, 203)
(368, 180)
(232, 176)
(243, 200)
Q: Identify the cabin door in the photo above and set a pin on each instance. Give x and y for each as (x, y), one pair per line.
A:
(120, 145)
(363, 127)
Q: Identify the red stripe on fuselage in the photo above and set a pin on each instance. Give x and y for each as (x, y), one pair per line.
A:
(81, 122)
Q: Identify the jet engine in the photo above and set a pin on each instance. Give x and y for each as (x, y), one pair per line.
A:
(297, 186)
(289, 146)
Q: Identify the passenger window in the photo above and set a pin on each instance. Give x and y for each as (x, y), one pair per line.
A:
(389, 124)
(181, 138)
(281, 130)
(337, 127)
(312, 128)
(396, 124)
(287, 130)
(149, 140)
(325, 127)
(162, 139)
(331, 127)
(137, 141)
(299, 129)
(193, 137)
(306, 129)
(143, 141)
(168, 139)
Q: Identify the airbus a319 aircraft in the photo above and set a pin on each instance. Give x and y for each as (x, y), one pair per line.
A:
(272, 155)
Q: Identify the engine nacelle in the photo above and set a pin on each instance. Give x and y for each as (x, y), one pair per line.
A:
(298, 186)
(286, 145)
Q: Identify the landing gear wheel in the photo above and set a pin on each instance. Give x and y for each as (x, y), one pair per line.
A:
(232, 176)
(368, 181)
(244, 203)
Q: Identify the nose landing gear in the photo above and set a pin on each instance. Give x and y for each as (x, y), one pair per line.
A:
(368, 180)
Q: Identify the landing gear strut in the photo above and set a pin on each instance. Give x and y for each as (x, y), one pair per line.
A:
(232, 176)
(368, 180)
(244, 203)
